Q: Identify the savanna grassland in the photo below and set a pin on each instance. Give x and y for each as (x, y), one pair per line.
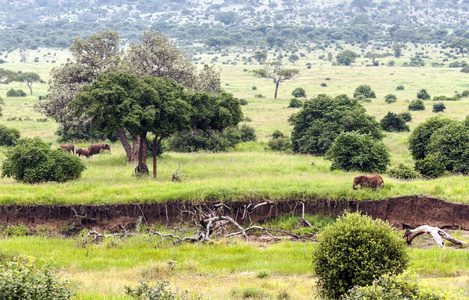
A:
(234, 269)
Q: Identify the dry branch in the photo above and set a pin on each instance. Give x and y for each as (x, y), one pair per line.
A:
(435, 232)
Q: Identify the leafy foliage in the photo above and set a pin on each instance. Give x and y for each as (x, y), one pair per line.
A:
(392, 122)
(22, 279)
(8, 136)
(346, 57)
(354, 251)
(390, 98)
(16, 93)
(364, 90)
(437, 107)
(322, 119)
(299, 92)
(403, 171)
(423, 94)
(160, 291)
(390, 287)
(277, 73)
(32, 161)
(294, 102)
(406, 116)
(431, 166)
(355, 151)
(416, 105)
(420, 137)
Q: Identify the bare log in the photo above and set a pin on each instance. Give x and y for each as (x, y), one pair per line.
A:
(437, 234)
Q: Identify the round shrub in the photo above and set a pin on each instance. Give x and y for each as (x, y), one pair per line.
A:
(32, 161)
(16, 93)
(22, 279)
(400, 88)
(403, 171)
(323, 84)
(359, 152)
(354, 251)
(247, 133)
(8, 136)
(277, 134)
(295, 103)
(431, 166)
(364, 90)
(243, 101)
(423, 94)
(437, 107)
(416, 105)
(299, 92)
(465, 69)
(390, 287)
(390, 98)
(406, 116)
(392, 122)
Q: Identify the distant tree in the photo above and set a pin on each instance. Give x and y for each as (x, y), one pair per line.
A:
(226, 17)
(260, 57)
(218, 41)
(322, 119)
(397, 50)
(299, 92)
(362, 4)
(364, 90)
(277, 73)
(461, 44)
(29, 78)
(346, 57)
(293, 58)
(7, 76)
(423, 94)
(392, 122)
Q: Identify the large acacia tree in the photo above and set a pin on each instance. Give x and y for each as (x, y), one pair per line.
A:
(151, 105)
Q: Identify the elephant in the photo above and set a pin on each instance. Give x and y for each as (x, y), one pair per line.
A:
(83, 151)
(69, 147)
(96, 148)
(373, 181)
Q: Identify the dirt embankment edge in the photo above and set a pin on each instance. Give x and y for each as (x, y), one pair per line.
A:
(401, 212)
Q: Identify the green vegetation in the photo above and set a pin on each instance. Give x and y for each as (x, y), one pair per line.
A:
(416, 105)
(354, 251)
(8, 136)
(393, 123)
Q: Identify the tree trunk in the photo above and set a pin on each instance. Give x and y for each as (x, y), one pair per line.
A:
(125, 143)
(276, 89)
(142, 168)
(31, 88)
(156, 146)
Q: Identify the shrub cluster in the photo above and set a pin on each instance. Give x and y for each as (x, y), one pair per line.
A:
(416, 105)
(280, 142)
(8, 136)
(394, 123)
(22, 279)
(210, 140)
(16, 93)
(390, 98)
(32, 161)
(403, 171)
(364, 90)
(437, 107)
(299, 92)
(295, 103)
(406, 116)
(322, 119)
(355, 251)
(423, 94)
(160, 291)
(360, 152)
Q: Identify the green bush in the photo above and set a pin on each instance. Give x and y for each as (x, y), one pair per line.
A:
(420, 137)
(22, 279)
(32, 161)
(465, 94)
(359, 152)
(423, 94)
(400, 88)
(299, 92)
(445, 98)
(406, 116)
(437, 107)
(364, 90)
(392, 122)
(390, 98)
(416, 105)
(295, 103)
(247, 133)
(8, 136)
(391, 287)
(161, 291)
(322, 119)
(16, 93)
(355, 251)
(280, 144)
(403, 171)
(430, 167)
(278, 134)
(243, 101)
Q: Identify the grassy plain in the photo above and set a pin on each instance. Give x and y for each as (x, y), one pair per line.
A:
(231, 269)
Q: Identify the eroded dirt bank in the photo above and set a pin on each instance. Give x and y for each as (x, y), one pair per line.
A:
(402, 212)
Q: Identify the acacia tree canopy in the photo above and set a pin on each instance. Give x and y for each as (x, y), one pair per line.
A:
(277, 73)
(29, 78)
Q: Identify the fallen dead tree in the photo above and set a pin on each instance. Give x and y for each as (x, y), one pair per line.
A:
(437, 234)
(210, 223)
